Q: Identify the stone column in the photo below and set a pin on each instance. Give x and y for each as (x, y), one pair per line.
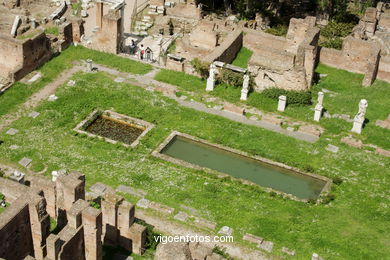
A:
(92, 223)
(89, 65)
(99, 14)
(211, 79)
(33, 23)
(319, 108)
(245, 88)
(360, 117)
(282, 103)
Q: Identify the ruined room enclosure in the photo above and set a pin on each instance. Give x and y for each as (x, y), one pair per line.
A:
(113, 128)
(192, 152)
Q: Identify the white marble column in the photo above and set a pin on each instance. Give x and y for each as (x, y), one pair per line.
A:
(211, 79)
(245, 88)
(282, 103)
(319, 107)
(358, 121)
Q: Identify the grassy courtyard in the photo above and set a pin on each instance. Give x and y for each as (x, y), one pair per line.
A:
(344, 96)
(353, 226)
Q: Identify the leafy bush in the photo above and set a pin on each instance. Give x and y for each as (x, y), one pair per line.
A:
(293, 97)
(201, 67)
(2, 197)
(231, 78)
(222, 252)
(278, 30)
(333, 33)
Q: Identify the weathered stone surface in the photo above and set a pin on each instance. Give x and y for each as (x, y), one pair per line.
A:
(288, 251)
(253, 239)
(12, 131)
(205, 223)
(131, 191)
(348, 140)
(98, 188)
(332, 148)
(169, 251)
(200, 251)
(312, 130)
(143, 203)
(182, 216)
(25, 162)
(266, 245)
(383, 152)
(34, 114)
(384, 123)
(234, 109)
(273, 119)
(161, 208)
(52, 98)
(225, 230)
(119, 80)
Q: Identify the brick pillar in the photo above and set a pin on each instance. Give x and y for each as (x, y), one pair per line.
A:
(137, 235)
(110, 203)
(92, 223)
(74, 214)
(40, 224)
(99, 14)
(53, 244)
(125, 219)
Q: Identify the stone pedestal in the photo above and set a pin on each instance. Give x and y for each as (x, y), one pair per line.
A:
(210, 84)
(357, 125)
(282, 103)
(318, 113)
(244, 94)
(89, 67)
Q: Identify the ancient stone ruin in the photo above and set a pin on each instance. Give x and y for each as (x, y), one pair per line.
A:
(25, 225)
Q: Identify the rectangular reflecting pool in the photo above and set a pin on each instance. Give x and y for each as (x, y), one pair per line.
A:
(196, 153)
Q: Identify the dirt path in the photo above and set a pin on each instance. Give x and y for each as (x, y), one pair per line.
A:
(42, 94)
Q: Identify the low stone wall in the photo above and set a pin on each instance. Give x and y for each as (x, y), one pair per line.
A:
(20, 57)
(384, 69)
(228, 50)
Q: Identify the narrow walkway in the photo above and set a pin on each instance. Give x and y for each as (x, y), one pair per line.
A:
(146, 81)
(42, 94)
(175, 229)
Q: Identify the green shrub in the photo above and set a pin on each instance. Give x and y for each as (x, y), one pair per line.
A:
(201, 67)
(94, 204)
(332, 34)
(2, 197)
(230, 78)
(279, 30)
(151, 242)
(222, 252)
(293, 97)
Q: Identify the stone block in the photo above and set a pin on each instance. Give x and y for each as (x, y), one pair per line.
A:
(12, 131)
(182, 216)
(34, 114)
(273, 119)
(226, 231)
(288, 251)
(382, 152)
(266, 245)
(25, 162)
(348, 140)
(131, 191)
(332, 148)
(312, 130)
(205, 223)
(99, 188)
(161, 208)
(234, 109)
(143, 203)
(253, 239)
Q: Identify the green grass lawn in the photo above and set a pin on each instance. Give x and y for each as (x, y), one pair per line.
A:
(347, 90)
(242, 58)
(354, 226)
(19, 92)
